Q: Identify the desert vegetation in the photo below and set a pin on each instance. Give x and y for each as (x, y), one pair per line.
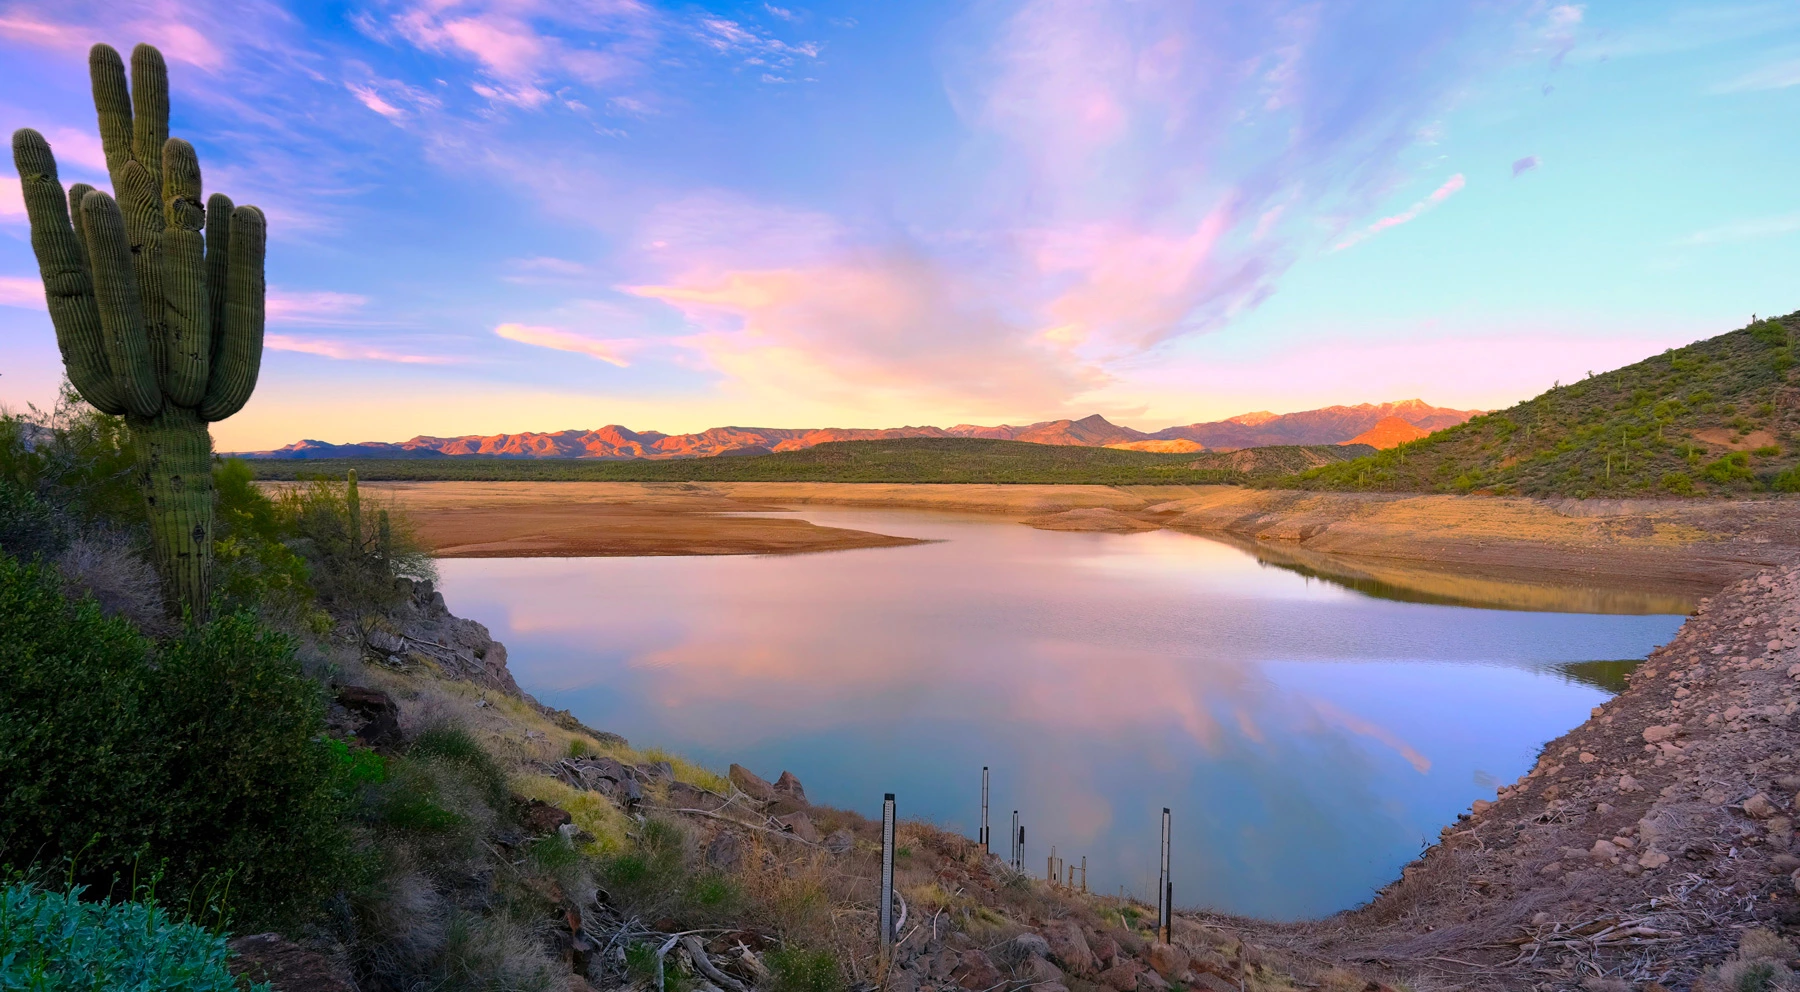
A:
(900, 460)
(1718, 417)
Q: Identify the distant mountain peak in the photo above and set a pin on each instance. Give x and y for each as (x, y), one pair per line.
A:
(1331, 425)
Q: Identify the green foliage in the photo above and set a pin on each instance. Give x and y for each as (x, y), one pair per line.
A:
(1734, 467)
(450, 744)
(54, 942)
(253, 567)
(1665, 424)
(74, 458)
(201, 758)
(796, 969)
(352, 558)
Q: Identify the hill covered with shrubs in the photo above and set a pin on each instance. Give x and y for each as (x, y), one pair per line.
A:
(1717, 417)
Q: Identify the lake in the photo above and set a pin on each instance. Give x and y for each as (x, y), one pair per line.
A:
(1309, 738)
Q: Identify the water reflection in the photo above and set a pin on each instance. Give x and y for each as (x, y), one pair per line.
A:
(1307, 736)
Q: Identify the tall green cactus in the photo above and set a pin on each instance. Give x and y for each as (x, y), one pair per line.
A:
(156, 321)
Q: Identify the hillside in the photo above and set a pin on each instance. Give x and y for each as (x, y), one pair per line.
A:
(960, 460)
(1717, 417)
(1332, 425)
(1280, 459)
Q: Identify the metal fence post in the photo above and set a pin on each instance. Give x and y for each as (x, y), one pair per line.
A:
(985, 836)
(886, 912)
(1165, 887)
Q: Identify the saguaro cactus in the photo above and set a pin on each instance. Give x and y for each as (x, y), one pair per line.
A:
(156, 320)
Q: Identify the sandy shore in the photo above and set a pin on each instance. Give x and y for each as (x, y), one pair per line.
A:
(1624, 555)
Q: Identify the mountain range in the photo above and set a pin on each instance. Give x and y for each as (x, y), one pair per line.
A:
(1378, 424)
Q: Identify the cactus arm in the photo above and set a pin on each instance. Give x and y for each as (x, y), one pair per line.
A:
(218, 255)
(187, 312)
(76, 192)
(112, 101)
(68, 288)
(120, 320)
(150, 110)
(240, 336)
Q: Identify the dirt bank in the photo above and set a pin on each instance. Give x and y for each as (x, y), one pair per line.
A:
(1643, 846)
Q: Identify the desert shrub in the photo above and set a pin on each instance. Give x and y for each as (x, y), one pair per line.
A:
(27, 527)
(450, 744)
(1787, 482)
(795, 969)
(252, 565)
(354, 553)
(74, 458)
(53, 941)
(1678, 482)
(1734, 467)
(200, 759)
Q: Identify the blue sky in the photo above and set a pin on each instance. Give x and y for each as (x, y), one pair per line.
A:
(507, 215)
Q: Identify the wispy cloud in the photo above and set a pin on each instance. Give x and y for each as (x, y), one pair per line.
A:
(1524, 165)
(350, 351)
(317, 307)
(557, 339)
(1778, 76)
(1407, 216)
(1745, 230)
(21, 291)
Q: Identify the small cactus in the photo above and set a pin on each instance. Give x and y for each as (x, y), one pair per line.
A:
(157, 300)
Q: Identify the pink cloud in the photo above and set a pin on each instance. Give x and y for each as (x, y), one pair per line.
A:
(557, 339)
(1406, 216)
(315, 307)
(163, 23)
(21, 291)
(347, 350)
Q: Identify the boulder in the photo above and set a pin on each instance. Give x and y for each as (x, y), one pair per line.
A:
(1069, 948)
(537, 817)
(377, 712)
(1041, 972)
(1031, 945)
(1121, 977)
(840, 841)
(800, 825)
(1106, 950)
(1759, 807)
(1150, 981)
(655, 772)
(790, 787)
(975, 972)
(726, 852)
(272, 958)
(683, 795)
(750, 784)
(1168, 960)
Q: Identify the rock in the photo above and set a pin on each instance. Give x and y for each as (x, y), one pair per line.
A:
(801, 826)
(1069, 948)
(1168, 960)
(750, 783)
(841, 841)
(1604, 850)
(1661, 733)
(726, 851)
(1121, 977)
(384, 641)
(1480, 806)
(1759, 807)
(1629, 784)
(537, 817)
(790, 787)
(379, 714)
(1106, 951)
(1652, 859)
(1041, 972)
(1784, 864)
(1150, 981)
(272, 958)
(1587, 758)
(683, 795)
(975, 972)
(942, 964)
(902, 980)
(1032, 945)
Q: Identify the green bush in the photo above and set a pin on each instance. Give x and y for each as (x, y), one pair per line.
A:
(798, 970)
(353, 553)
(202, 759)
(1734, 467)
(51, 942)
(1678, 483)
(1787, 482)
(252, 566)
(76, 459)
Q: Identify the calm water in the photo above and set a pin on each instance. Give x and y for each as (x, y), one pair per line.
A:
(1307, 737)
